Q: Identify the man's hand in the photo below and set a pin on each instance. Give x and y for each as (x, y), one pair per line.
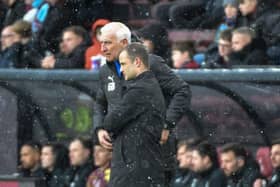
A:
(48, 62)
(104, 139)
(164, 136)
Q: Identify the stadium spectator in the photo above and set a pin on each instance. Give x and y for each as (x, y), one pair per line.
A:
(206, 167)
(75, 41)
(182, 55)
(29, 56)
(94, 51)
(80, 151)
(30, 160)
(3, 10)
(52, 17)
(114, 37)
(184, 175)
(54, 160)
(240, 169)
(155, 37)
(9, 48)
(15, 11)
(275, 160)
(252, 10)
(231, 18)
(247, 49)
(102, 159)
(218, 56)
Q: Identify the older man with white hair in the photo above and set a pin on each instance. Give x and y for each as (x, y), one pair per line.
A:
(115, 36)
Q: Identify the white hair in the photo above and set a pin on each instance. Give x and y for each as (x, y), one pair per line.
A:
(119, 29)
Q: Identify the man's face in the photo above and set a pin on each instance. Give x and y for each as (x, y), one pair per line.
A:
(275, 155)
(179, 58)
(102, 156)
(184, 157)
(247, 7)
(111, 46)
(8, 38)
(128, 68)
(29, 158)
(230, 11)
(47, 158)
(229, 163)
(198, 162)
(239, 41)
(70, 41)
(77, 153)
(224, 47)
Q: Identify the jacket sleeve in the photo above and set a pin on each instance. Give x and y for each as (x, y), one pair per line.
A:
(176, 92)
(75, 61)
(125, 112)
(100, 107)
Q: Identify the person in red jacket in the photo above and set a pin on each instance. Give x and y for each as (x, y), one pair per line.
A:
(95, 49)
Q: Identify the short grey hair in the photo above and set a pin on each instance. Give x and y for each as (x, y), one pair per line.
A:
(120, 29)
(245, 31)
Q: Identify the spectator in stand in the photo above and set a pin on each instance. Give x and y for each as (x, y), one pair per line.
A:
(182, 55)
(102, 159)
(54, 160)
(252, 10)
(218, 56)
(232, 17)
(275, 160)
(155, 38)
(51, 18)
(75, 41)
(184, 174)
(247, 49)
(30, 160)
(15, 11)
(205, 165)
(94, 51)
(9, 48)
(80, 151)
(29, 56)
(239, 167)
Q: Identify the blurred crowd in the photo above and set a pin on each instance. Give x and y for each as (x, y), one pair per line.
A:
(64, 34)
(199, 164)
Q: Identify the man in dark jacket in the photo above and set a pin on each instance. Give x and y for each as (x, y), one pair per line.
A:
(30, 160)
(114, 37)
(240, 169)
(247, 49)
(206, 167)
(74, 41)
(80, 151)
(136, 124)
(184, 174)
(275, 160)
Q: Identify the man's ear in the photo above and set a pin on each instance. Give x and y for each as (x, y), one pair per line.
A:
(138, 61)
(124, 42)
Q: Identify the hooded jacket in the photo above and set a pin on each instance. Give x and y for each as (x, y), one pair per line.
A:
(95, 49)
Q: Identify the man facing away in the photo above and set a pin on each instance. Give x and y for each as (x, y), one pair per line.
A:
(136, 124)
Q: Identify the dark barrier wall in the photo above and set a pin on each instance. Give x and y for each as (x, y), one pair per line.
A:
(227, 105)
